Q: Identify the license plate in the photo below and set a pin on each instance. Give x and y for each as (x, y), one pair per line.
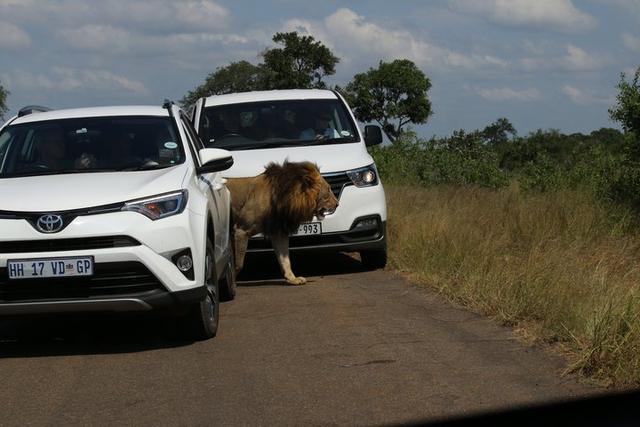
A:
(50, 267)
(308, 229)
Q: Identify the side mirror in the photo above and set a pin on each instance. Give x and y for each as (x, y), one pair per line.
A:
(214, 160)
(372, 135)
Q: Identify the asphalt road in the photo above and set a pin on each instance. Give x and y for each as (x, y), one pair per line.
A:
(349, 348)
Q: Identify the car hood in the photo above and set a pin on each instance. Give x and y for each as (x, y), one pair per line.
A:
(329, 158)
(81, 190)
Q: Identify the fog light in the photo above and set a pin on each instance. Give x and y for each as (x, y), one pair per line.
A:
(184, 263)
(369, 222)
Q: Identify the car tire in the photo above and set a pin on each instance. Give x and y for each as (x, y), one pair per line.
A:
(201, 322)
(228, 285)
(374, 259)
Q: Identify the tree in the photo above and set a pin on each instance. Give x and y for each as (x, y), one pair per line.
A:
(301, 63)
(3, 101)
(394, 94)
(241, 76)
(625, 186)
(627, 109)
(497, 133)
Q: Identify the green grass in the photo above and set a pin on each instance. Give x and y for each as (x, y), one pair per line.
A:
(559, 265)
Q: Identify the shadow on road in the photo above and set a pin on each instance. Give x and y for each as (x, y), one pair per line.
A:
(263, 270)
(116, 333)
(86, 334)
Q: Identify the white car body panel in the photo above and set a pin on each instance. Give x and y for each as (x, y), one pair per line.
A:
(73, 191)
(329, 158)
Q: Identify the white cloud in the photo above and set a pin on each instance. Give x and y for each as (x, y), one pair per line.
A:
(574, 59)
(98, 37)
(581, 97)
(109, 40)
(631, 42)
(64, 79)
(557, 15)
(351, 35)
(508, 94)
(579, 60)
(202, 14)
(149, 16)
(13, 37)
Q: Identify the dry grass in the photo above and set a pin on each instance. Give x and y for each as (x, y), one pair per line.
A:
(558, 264)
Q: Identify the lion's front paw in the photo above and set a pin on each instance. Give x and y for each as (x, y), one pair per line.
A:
(297, 281)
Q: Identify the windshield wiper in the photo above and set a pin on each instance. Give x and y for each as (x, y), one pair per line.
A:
(145, 167)
(54, 172)
(290, 143)
(339, 139)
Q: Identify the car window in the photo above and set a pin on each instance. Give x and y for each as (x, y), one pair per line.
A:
(88, 145)
(277, 123)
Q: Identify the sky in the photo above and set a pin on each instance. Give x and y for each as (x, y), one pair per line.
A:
(543, 64)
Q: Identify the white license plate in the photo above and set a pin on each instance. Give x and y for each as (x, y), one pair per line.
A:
(50, 267)
(308, 229)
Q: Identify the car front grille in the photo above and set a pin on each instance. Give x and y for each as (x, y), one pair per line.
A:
(109, 279)
(52, 245)
(337, 181)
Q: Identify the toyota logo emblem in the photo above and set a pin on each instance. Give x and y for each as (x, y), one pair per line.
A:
(49, 223)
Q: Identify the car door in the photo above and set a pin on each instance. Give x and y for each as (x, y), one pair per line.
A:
(219, 202)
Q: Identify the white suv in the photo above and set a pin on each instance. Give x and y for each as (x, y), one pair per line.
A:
(314, 125)
(113, 209)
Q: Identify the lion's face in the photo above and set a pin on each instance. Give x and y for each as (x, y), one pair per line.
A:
(327, 202)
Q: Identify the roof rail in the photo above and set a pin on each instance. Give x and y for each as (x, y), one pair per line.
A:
(30, 109)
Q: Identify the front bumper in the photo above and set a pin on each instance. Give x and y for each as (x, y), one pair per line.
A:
(143, 301)
(114, 286)
(354, 240)
(133, 266)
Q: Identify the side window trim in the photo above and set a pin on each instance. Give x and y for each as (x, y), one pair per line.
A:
(194, 135)
(190, 142)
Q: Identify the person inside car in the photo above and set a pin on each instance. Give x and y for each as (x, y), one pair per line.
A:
(320, 128)
(51, 149)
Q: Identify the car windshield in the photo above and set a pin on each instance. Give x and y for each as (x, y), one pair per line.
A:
(270, 124)
(93, 144)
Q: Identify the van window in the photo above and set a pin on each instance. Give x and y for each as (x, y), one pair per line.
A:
(270, 124)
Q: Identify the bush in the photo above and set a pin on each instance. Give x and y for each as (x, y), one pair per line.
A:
(462, 159)
(600, 163)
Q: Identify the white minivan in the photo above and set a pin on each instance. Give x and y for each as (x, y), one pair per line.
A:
(315, 125)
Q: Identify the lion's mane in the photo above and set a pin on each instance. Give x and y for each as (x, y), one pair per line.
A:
(294, 194)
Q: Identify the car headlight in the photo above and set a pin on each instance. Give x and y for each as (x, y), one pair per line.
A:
(364, 177)
(160, 206)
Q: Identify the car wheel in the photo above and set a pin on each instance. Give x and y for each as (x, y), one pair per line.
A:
(374, 259)
(201, 322)
(228, 286)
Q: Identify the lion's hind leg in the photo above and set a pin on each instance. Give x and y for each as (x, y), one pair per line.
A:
(241, 243)
(280, 244)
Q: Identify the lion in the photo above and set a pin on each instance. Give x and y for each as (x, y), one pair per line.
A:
(275, 203)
